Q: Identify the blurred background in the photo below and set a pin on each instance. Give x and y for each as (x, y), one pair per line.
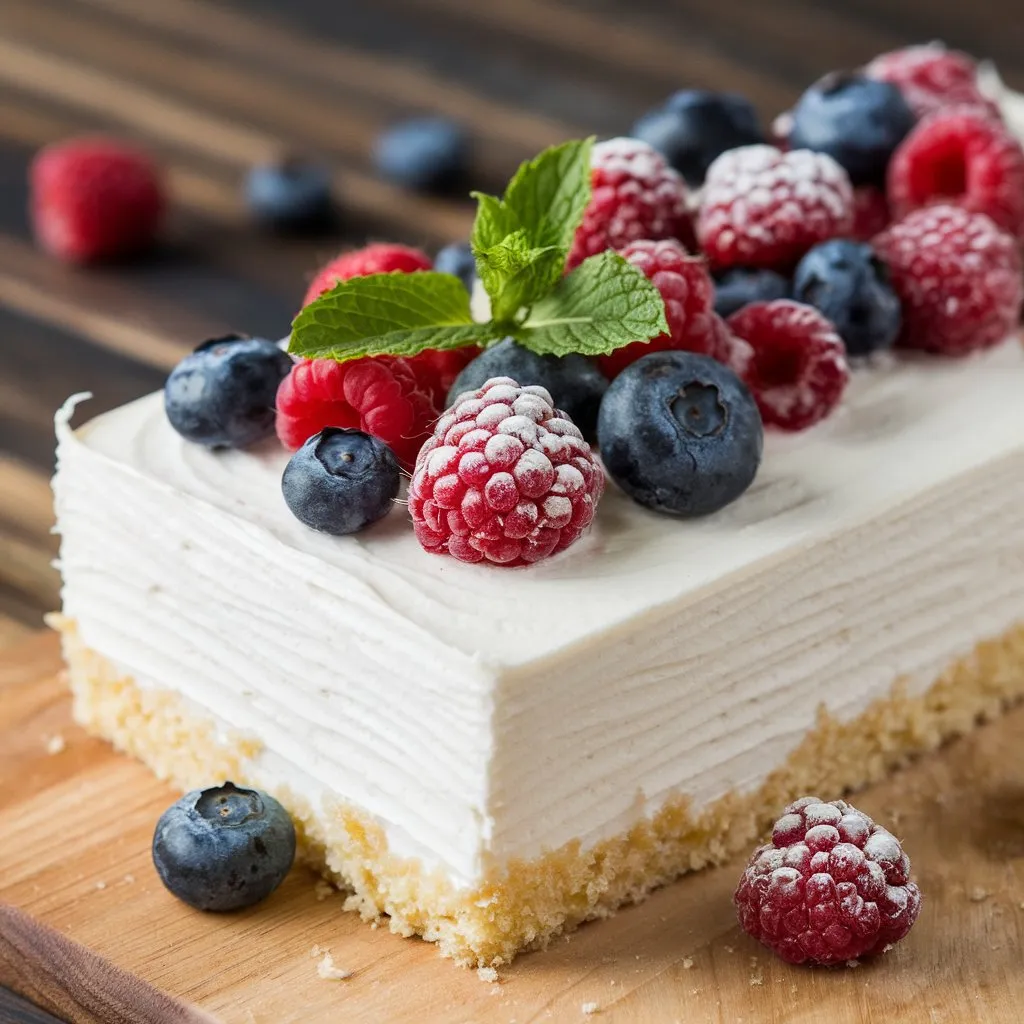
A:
(212, 88)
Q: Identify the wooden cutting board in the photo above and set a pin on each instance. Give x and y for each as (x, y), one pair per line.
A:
(87, 931)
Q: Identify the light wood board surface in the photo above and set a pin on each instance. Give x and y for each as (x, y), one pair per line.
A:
(75, 827)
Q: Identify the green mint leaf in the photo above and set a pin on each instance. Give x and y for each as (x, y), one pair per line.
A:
(494, 222)
(517, 275)
(387, 314)
(603, 304)
(549, 193)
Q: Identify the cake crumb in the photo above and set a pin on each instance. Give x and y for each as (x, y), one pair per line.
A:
(978, 894)
(756, 973)
(853, 963)
(323, 889)
(129, 879)
(101, 885)
(317, 950)
(487, 974)
(728, 949)
(55, 744)
(329, 971)
(589, 1008)
(687, 962)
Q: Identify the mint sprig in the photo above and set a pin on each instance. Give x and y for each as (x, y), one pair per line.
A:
(520, 243)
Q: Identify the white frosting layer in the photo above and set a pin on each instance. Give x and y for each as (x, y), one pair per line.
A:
(481, 713)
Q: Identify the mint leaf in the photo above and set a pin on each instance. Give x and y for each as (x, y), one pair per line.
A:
(517, 275)
(494, 222)
(603, 304)
(549, 193)
(387, 314)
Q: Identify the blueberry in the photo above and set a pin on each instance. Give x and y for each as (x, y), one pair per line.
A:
(680, 433)
(849, 284)
(341, 481)
(457, 259)
(223, 848)
(858, 121)
(694, 126)
(575, 383)
(223, 394)
(290, 196)
(428, 154)
(741, 286)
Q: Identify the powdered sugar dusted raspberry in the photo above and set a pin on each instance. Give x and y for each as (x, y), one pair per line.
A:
(764, 208)
(689, 295)
(961, 157)
(635, 195)
(796, 369)
(958, 278)
(381, 396)
(931, 77)
(831, 886)
(505, 478)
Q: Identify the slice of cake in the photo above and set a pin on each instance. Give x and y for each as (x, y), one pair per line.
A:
(536, 703)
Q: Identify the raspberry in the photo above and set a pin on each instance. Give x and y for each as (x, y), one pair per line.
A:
(505, 478)
(963, 158)
(764, 208)
(831, 886)
(436, 370)
(379, 258)
(931, 77)
(635, 195)
(958, 278)
(380, 396)
(870, 213)
(689, 295)
(94, 199)
(797, 369)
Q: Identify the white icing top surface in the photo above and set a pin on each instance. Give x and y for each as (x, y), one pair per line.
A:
(904, 426)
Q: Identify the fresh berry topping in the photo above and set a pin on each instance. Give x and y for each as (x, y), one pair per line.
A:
(635, 194)
(849, 284)
(764, 208)
(457, 259)
(680, 433)
(831, 886)
(380, 396)
(437, 370)
(870, 213)
(575, 384)
(223, 848)
(962, 158)
(741, 286)
(958, 278)
(340, 481)
(694, 126)
(429, 154)
(505, 478)
(379, 258)
(797, 370)
(290, 196)
(223, 394)
(858, 121)
(930, 77)
(689, 295)
(94, 199)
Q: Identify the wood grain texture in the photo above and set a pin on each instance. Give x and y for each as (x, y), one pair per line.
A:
(75, 828)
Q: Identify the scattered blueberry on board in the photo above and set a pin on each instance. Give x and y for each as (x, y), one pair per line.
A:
(694, 126)
(575, 384)
(223, 848)
(741, 286)
(341, 480)
(680, 433)
(457, 259)
(426, 154)
(858, 121)
(222, 395)
(849, 284)
(290, 196)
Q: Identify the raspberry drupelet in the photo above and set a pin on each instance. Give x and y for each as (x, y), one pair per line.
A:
(831, 886)
(378, 258)
(505, 478)
(958, 278)
(764, 208)
(635, 194)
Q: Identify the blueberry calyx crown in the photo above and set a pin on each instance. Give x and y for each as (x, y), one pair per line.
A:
(229, 805)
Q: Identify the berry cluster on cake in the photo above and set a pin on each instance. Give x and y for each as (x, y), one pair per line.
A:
(714, 453)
